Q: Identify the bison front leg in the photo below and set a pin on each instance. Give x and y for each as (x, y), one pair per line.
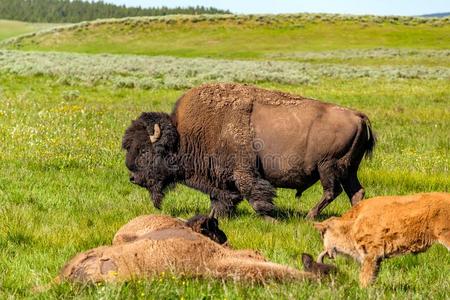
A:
(259, 193)
(224, 202)
(261, 198)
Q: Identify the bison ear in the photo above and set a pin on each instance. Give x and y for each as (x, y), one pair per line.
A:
(320, 226)
(154, 137)
(307, 261)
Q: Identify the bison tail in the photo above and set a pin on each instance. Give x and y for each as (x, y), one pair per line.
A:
(371, 138)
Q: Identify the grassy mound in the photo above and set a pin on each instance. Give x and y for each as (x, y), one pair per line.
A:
(10, 29)
(239, 36)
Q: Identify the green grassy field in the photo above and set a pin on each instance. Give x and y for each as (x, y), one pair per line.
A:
(242, 36)
(10, 29)
(64, 187)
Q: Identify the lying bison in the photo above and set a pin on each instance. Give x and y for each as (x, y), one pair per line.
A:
(166, 245)
(233, 141)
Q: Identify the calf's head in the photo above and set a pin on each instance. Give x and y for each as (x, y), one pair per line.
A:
(208, 226)
(150, 143)
(335, 233)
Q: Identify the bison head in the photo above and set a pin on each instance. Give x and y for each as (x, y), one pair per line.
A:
(208, 226)
(335, 233)
(151, 143)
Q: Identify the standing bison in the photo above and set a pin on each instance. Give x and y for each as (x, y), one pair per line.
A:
(235, 141)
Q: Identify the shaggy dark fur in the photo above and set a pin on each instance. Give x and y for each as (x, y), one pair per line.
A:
(208, 226)
(219, 137)
(151, 165)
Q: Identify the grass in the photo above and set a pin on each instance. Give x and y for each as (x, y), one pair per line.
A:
(170, 72)
(10, 29)
(64, 187)
(240, 37)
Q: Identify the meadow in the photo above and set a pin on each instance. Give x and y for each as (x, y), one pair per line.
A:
(64, 187)
(9, 29)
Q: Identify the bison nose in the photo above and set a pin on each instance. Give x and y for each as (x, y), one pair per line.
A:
(132, 179)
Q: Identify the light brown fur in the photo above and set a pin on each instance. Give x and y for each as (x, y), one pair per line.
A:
(176, 249)
(142, 225)
(383, 227)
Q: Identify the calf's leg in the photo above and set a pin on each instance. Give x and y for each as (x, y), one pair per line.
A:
(444, 239)
(369, 270)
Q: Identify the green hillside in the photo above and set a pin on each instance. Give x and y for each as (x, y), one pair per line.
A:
(10, 29)
(241, 36)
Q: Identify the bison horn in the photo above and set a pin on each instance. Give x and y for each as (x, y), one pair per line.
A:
(182, 220)
(322, 256)
(212, 213)
(156, 134)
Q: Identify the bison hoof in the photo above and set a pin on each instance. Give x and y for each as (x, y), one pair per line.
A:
(311, 215)
(157, 204)
(221, 210)
(270, 219)
(357, 197)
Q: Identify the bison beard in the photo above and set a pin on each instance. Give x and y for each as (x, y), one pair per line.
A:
(235, 141)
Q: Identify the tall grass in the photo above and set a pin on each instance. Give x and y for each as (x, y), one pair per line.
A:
(179, 73)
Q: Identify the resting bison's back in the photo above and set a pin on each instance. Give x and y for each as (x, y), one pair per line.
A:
(235, 141)
(250, 135)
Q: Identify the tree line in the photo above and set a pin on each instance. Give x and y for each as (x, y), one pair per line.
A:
(72, 11)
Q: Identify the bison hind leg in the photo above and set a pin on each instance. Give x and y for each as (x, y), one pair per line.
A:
(329, 178)
(353, 187)
(300, 191)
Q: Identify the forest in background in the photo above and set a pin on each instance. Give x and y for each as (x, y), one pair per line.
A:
(66, 11)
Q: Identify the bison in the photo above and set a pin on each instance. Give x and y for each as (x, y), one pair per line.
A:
(383, 227)
(166, 245)
(236, 141)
